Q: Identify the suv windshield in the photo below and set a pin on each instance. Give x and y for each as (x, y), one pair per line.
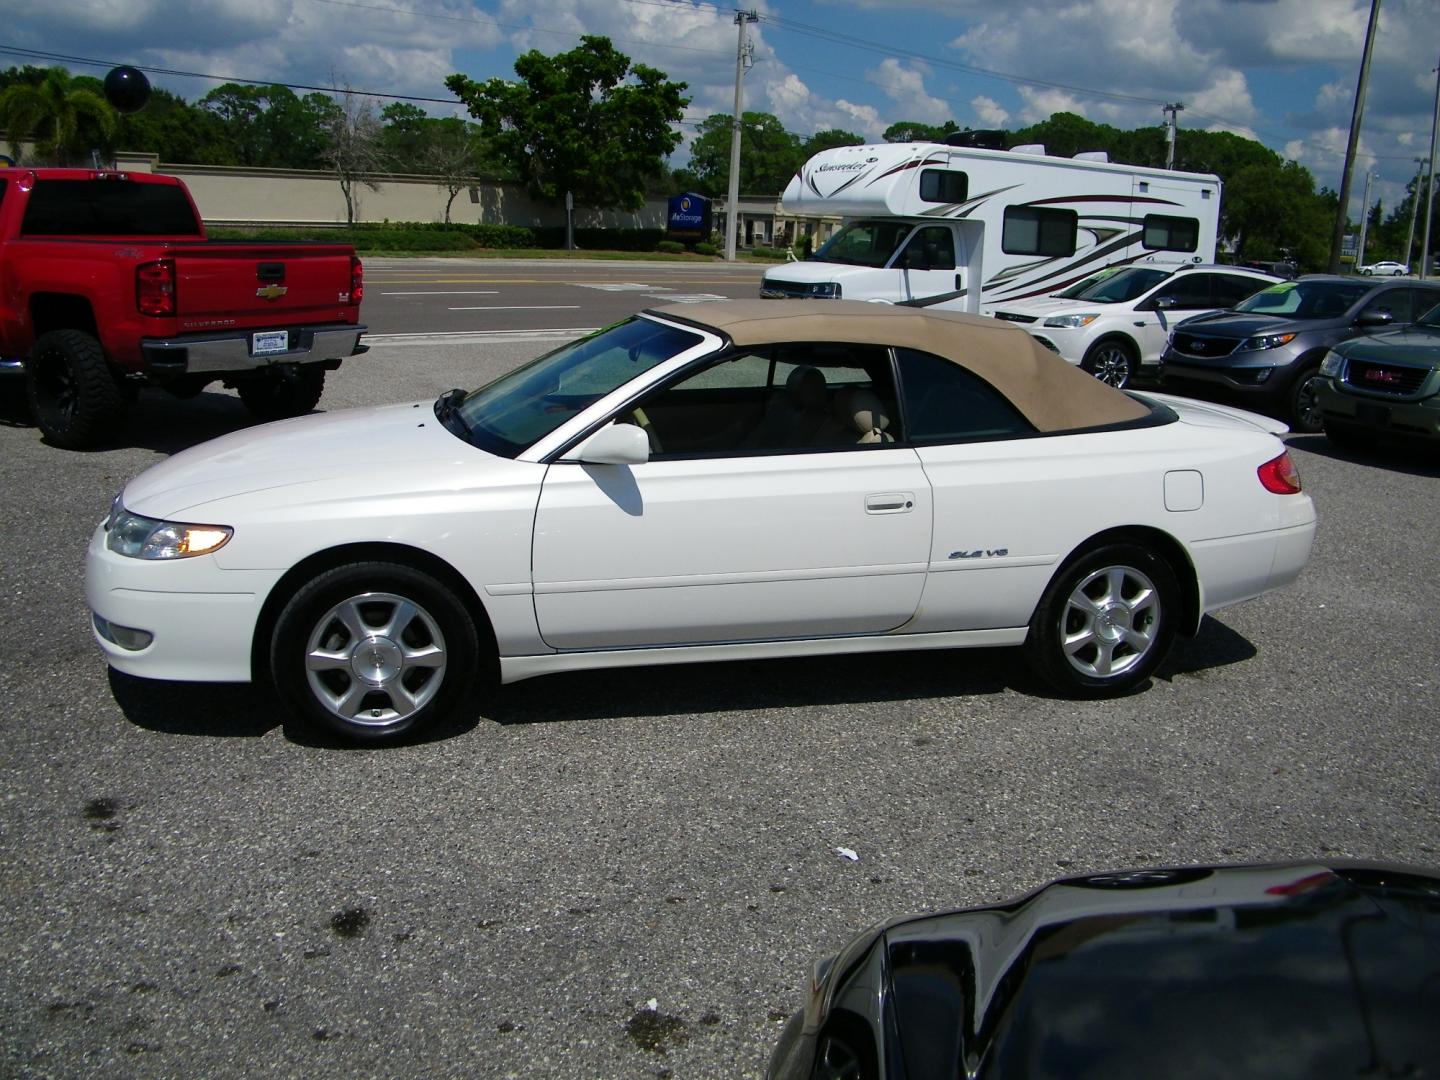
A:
(1078, 289)
(1304, 299)
(532, 401)
(1431, 318)
(864, 243)
(1123, 286)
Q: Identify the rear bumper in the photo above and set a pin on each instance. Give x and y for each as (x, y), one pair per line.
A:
(217, 354)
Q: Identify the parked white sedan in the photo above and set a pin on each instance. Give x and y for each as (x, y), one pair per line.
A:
(701, 482)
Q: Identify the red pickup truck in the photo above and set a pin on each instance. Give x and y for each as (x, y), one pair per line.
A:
(107, 283)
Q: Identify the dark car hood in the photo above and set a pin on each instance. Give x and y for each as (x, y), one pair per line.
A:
(1418, 345)
(1227, 324)
(1275, 971)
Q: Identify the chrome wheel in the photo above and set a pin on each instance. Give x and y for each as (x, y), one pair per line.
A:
(1110, 622)
(1111, 363)
(375, 658)
(1305, 412)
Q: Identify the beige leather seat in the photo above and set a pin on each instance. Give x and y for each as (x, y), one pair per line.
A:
(795, 415)
(864, 415)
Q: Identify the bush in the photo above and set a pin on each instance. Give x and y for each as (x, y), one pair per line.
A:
(703, 248)
(670, 247)
(770, 254)
(437, 236)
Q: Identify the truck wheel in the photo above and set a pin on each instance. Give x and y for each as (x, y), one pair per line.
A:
(1112, 361)
(280, 393)
(74, 396)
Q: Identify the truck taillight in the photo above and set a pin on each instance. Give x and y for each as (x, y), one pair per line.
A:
(1280, 475)
(357, 280)
(155, 287)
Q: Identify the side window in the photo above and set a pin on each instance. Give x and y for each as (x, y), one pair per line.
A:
(1230, 289)
(945, 403)
(1189, 291)
(1398, 302)
(795, 398)
(1165, 233)
(931, 248)
(944, 186)
(1426, 300)
(1034, 230)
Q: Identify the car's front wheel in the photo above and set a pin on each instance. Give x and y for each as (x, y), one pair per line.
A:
(1106, 621)
(1304, 415)
(1112, 361)
(374, 651)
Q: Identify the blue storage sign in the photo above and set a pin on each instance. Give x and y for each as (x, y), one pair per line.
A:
(688, 218)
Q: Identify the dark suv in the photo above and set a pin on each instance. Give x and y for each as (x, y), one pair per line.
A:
(1265, 352)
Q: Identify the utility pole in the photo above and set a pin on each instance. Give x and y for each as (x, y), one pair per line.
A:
(1414, 208)
(1357, 114)
(1172, 120)
(1430, 188)
(732, 198)
(1364, 220)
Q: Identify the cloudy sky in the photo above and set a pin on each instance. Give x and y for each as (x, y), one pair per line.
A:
(1282, 71)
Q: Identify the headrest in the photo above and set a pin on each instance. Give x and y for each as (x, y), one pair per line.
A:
(862, 410)
(805, 387)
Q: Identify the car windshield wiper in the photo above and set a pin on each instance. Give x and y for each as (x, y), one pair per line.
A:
(447, 411)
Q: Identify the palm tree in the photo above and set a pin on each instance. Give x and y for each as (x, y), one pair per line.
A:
(51, 112)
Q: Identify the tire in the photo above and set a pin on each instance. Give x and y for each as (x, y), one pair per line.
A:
(1302, 407)
(374, 651)
(280, 393)
(1112, 361)
(1106, 621)
(1350, 437)
(73, 394)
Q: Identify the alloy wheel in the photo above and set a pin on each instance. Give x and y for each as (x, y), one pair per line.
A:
(1110, 622)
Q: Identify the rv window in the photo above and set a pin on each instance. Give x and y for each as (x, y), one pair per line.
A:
(943, 186)
(1164, 233)
(1031, 230)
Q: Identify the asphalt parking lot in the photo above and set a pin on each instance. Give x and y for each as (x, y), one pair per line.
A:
(193, 887)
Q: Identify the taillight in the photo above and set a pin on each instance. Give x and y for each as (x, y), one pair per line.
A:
(155, 287)
(1280, 475)
(357, 280)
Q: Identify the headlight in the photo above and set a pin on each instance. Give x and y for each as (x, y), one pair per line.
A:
(1070, 322)
(1332, 365)
(146, 538)
(825, 290)
(1267, 341)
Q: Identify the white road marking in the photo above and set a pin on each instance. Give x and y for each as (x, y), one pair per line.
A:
(618, 286)
(687, 298)
(522, 307)
(452, 292)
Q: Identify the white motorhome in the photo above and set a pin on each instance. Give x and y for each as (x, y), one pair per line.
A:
(927, 221)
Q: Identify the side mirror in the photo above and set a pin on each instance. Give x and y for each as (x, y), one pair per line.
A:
(614, 444)
(1374, 318)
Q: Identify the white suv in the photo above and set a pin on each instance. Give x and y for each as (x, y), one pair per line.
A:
(1121, 322)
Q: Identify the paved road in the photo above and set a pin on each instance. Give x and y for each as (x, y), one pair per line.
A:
(192, 887)
(470, 295)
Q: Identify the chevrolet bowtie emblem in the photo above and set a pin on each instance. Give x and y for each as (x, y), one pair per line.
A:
(271, 292)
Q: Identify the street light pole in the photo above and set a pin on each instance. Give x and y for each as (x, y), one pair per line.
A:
(732, 198)
(1364, 220)
(1172, 120)
(1430, 188)
(1342, 215)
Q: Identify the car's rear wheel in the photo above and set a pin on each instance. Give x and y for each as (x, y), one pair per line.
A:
(1106, 621)
(1303, 414)
(374, 651)
(280, 393)
(1349, 436)
(73, 393)
(1112, 361)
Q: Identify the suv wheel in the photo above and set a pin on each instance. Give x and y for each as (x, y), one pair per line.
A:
(1304, 414)
(1112, 361)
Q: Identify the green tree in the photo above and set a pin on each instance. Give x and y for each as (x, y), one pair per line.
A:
(270, 126)
(63, 119)
(587, 121)
(769, 155)
(1271, 208)
(829, 140)
(914, 131)
(352, 147)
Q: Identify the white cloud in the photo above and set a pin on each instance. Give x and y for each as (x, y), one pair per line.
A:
(989, 111)
(906, 87)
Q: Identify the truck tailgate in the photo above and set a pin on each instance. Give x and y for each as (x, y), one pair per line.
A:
(239, 285)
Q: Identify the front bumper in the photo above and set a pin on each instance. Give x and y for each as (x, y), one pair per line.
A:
(216, 354)
(1412, 418)
(1252, 383)
(201, 618)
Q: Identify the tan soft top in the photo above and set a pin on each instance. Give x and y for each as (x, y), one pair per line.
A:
(1052, 394)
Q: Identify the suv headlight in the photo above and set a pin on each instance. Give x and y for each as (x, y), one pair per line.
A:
(1267, 341)
(1070, 322)
(1332, 365)
(140, 537)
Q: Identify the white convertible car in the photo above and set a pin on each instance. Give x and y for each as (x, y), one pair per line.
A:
(700, 482)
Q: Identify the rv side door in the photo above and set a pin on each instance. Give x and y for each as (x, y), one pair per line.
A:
(927, 262)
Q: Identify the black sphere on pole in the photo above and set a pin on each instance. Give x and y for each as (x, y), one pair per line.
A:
(127, 89)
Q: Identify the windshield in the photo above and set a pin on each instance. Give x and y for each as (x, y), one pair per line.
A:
(516, 409)
(1431, 318)
(1123, 286)
(1084, 283)
(864, 243)
(1304, 299)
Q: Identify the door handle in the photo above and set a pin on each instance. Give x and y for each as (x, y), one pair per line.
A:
(890, 502)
